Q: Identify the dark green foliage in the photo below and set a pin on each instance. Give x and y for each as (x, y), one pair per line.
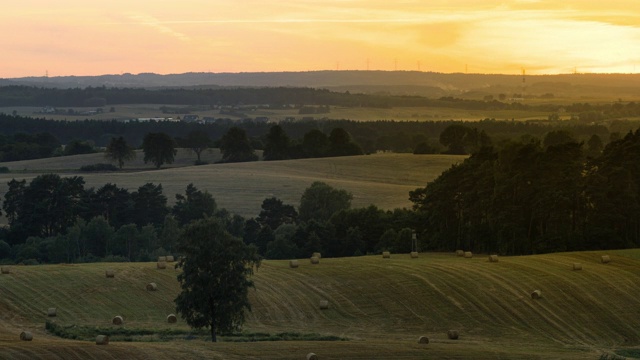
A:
(215, 275)
(320, 201)
(118, 150)
(193, 205)
(45, 207)
(235, 146)
(196, 141)
(340, 144)
(277, 144)
(4, 170)
(77, 147)
(149, 205)
(274, 213)
(159, 148)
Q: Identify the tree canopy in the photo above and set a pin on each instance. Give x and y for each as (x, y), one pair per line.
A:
(159, 148)
(215, 275)
(118, 150)
(236, 147)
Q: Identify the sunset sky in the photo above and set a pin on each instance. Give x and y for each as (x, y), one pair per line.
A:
(80, 37)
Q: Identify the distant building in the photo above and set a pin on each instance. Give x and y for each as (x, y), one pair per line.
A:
(190, 118)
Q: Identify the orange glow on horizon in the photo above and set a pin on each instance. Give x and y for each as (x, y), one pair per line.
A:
(545, 37)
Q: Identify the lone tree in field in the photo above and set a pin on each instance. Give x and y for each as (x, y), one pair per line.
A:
(215, 277)
(118, 150)
(159, 148)
(236, 147)
(197, 141)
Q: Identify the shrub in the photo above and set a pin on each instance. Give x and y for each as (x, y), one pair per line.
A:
(99, 167)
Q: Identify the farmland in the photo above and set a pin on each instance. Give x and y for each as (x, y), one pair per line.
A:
(380, 306)
(380, 179)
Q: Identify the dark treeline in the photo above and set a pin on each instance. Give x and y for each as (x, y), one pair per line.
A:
(530, 197)
(54, 219)
(285, 96)
(371, 136)
(276, 96)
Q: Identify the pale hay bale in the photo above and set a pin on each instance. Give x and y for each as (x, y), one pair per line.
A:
(317, 254)
(468, 254)
(453, 334)
(577, 266)
(117, 320)
(386, 255)
(152, 287)
(324, 304)
(109, 273)
(51, 312)
(312, 356)
(460, 253)
(172, 319)
(170, 258)
(162, 258)
(414, 254)
(493, 258)
(423, 340)
(293, 264)
(102, 340)
(26, 336)
(536, 294)
(605, 259)
(162, 265)
(315, 260)
(5, 270)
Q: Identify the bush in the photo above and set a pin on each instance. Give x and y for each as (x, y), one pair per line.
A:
(4, 170)
(99, 167)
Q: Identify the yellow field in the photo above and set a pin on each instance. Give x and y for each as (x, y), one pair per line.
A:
(381, 179)
(381, 305)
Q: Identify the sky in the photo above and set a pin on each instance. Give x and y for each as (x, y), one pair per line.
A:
(80, 37)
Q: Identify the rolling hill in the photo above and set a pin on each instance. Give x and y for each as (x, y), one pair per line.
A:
(380, 305)
(380, 179)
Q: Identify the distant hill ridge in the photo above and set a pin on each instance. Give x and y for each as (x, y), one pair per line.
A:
(366, 81)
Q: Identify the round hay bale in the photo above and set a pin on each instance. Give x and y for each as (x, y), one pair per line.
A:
(293, 264)
(5, 270)
(324, 304)
(453, 334)
(152, 287)
(468, 254)
(172, 319)
(460, 253)
(577, 266)
(117, 320)
(162, 258)
(423, 340)
(26, 336)
(162, 265)
(386, 255)
(317, 254)
(109, 273)
(536, 294)
(312, 356)
(170, 258)
(493, 258)
(315, 260)
(414, 254)
(51, 312)
(605, 259)
(102, 340)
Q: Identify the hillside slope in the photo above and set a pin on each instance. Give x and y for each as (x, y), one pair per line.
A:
(380, 179)
(381, 305)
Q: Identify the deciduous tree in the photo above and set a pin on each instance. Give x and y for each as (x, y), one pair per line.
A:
(215, 277)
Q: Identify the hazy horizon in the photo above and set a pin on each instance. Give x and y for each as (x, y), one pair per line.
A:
(79, 38)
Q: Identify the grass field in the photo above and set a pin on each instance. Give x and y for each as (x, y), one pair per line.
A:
(380, 305)
(380, 179)
(125, 112)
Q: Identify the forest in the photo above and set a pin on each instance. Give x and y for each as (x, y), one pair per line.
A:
(526, 188)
